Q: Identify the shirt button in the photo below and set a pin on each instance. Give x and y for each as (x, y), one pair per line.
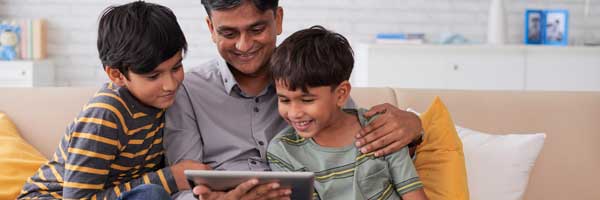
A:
(255, 109)
(261, 143)
(256, 100)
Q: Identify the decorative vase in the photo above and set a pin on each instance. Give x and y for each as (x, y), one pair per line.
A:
(496, 33)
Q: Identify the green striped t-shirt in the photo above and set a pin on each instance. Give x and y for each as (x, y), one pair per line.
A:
(344, 173)
(113, 145)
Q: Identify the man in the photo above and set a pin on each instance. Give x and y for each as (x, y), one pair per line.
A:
(225, 113)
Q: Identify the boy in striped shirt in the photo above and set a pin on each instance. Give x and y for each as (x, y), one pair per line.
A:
(311, 69)
(113, 148)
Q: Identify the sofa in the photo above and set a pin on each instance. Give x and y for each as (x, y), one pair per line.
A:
(567, 167)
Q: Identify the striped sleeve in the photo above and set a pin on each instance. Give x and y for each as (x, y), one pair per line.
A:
(404, 174)
(93, 145)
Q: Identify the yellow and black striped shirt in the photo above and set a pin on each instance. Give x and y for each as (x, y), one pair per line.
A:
(113, 145)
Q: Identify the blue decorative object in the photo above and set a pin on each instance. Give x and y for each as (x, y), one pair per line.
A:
(534, 27)
(556, 23)
(9, 38)
(548, 27)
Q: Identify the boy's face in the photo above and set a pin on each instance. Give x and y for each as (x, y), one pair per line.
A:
(312, 112)
(245, 36)
(157, 88)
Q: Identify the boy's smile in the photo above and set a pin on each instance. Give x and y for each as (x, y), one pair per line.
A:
(312, 112)
(301, 126)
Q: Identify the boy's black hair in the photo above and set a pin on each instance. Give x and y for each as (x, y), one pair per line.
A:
(262, 5)
(138, 36)
(312, 57)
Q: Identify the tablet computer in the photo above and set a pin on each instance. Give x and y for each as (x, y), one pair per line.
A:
(301, 183)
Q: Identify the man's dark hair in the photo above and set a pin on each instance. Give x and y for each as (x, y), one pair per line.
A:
(138, 36)
(312, 57)
(262, 5)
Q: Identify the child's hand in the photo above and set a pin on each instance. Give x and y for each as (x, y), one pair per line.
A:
(249, 190)
(177, 171)
(392, 130)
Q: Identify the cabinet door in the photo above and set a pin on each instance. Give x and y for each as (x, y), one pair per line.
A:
(25, 73)
(443, 67)
(565, 69)
(485, 68)
(15, 74)
(405, 67)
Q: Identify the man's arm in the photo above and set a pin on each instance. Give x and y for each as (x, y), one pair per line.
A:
(390, 131)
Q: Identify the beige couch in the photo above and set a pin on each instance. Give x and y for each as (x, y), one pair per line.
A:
(568, 166)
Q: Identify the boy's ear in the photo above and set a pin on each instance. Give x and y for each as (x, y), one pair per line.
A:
(115, 76)
(343, 93)
(210, 28)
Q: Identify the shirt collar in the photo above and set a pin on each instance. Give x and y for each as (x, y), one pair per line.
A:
(231, 85)
(227, 77)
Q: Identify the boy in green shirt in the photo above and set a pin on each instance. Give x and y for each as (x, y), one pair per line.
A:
(311, 69)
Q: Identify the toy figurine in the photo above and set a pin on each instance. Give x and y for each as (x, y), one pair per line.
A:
(8, 42)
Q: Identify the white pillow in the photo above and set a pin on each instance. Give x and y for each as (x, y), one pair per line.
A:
(498, 166)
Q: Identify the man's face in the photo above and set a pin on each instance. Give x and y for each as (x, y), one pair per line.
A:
(245, 36)
(157, 88)
(311, 112)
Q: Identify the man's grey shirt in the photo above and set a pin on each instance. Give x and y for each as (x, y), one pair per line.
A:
(214, 122)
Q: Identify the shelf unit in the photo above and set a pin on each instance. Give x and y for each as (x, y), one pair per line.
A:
(26, 73)
(478, 67)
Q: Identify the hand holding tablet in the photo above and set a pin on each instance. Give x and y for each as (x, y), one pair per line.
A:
(301, 183)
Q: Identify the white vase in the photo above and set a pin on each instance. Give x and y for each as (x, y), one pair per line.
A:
(496, 23)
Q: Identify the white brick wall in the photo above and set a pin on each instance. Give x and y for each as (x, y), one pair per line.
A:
(72, 24)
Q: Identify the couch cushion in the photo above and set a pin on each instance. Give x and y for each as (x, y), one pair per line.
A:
(42, 114)
(369, 97)
(19, 160)
(439, 158)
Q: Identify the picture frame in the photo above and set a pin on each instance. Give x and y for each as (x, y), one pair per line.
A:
(556, 27)
(534, 29)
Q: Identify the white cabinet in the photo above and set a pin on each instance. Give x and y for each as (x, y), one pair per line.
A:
(23, 73)
(477, 67)
(555, 68)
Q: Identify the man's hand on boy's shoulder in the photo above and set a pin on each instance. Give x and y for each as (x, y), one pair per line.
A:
(249, 190)
(392, 130)
(177, 171)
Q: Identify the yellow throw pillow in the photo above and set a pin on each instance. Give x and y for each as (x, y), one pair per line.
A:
(19, 160)
(439, 160)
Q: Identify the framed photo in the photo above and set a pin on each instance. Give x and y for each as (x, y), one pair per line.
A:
(556, 23)
(534, 33)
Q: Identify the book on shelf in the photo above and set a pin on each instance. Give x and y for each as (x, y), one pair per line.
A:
(32, 39)
(400, 38)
